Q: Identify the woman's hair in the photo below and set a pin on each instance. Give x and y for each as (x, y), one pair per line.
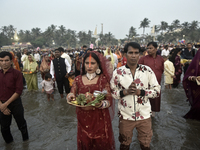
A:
(93, 55)
(48, 75)
(175, 52)
(19, 55)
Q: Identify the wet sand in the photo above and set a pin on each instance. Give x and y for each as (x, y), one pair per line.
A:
(52, 125)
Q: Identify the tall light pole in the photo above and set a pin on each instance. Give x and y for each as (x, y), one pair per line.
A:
(102, 28)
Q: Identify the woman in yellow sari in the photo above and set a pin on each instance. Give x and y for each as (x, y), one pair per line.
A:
(109, 55)
(30, 73)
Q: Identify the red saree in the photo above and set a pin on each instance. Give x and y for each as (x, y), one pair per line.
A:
(94, 126)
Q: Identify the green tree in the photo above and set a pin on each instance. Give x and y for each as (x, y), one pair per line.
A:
(163, 26)
(144, 24)
(193, 31)
(35, 32)
(11, 31)
(132, 33)
(176, 24)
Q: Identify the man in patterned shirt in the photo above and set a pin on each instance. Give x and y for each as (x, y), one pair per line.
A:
(133, 84)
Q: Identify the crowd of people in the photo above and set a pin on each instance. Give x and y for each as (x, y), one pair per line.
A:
(131, 74)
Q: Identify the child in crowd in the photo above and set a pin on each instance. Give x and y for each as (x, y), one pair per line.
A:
(47, 86)
(71, 78)
(169, 71)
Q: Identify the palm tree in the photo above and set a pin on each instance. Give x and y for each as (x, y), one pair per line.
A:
(185, 25)
(50, 34)
(11, 31)
(193, 30)
(27, 36)
(194, 25)
(83, 38)
(21, 36)
(170, 28)
(62, 30)
(163, 26)
(144, 24)
(108, 38)
(176, 24)
(132, 33)
(4, 30)
(35, 32)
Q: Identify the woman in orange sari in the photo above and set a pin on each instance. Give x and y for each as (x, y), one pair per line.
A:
(15, 62)
(45, 66)
(119, 57)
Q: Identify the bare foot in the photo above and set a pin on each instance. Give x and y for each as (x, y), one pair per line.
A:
(61, 95)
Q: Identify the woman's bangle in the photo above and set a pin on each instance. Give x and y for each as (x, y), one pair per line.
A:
(105, 104)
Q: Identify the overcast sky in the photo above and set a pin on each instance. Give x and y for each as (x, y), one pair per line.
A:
(117, 16)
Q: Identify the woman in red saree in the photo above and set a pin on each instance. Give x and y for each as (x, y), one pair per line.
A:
(191, 84)
(175, 59)
(94, 123)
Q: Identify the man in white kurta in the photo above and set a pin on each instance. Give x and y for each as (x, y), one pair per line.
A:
(24, 56)
(66, 56)
(165, 52)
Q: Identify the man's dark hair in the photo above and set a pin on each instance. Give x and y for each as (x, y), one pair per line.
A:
(154, 44)
(4, 54)
(164, 57)
(58, 50)
(48, 75)
(84, 46)
(25, 49)
(189, 43)
(166, 46)
(61, 49)
(133, 45)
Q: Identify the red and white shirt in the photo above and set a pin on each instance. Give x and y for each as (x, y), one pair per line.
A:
(133, 107)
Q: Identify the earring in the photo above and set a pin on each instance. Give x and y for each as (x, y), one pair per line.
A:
(98, 71)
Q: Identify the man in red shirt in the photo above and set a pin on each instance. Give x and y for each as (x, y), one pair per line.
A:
(156, 63)
(11, 87)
